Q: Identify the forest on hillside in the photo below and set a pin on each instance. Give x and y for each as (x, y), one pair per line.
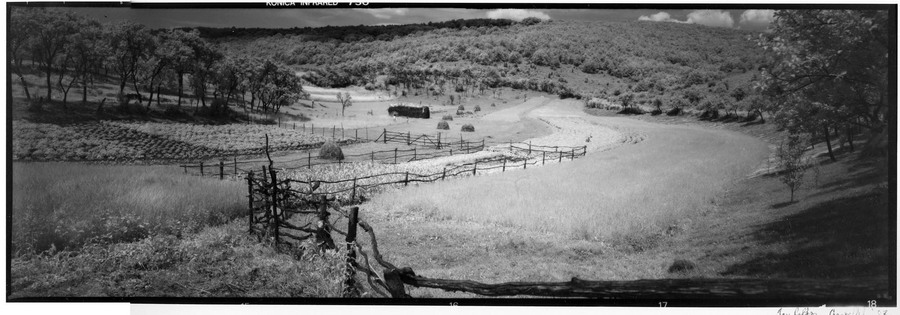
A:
(650, 58)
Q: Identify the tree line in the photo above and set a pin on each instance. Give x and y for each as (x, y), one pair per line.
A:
(70, 51)
(830, 77)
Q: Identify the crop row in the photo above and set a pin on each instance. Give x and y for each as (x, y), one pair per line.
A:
(128, 142)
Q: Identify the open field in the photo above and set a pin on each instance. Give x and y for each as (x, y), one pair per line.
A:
(615, 160)
(66, 205)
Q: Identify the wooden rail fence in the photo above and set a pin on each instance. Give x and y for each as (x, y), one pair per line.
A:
(285, 216)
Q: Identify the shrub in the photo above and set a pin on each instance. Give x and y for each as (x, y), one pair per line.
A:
(460, 108)
(674, 112)
(477, 108)
(631, 111)
(493, 105)
(331, 151)
(443, 125)
(468, 128)
(656, 112)
(681, 266)
(447, 117)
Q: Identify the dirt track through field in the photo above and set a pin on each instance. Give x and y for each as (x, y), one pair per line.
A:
(664, 172)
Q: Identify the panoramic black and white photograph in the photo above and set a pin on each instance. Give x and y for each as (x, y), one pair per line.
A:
(351, 153)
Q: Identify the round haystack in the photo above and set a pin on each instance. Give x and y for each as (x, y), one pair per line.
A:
(331, 151)
(443, 125)
(468, 128)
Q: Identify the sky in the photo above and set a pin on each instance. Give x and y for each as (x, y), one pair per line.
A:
(343, 14)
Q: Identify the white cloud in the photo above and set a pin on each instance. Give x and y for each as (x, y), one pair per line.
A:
(386, 13)
(516, 14)
(756, 19)
(715, 18)
(659, 17)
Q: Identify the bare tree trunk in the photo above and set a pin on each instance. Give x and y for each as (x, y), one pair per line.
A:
(180, 87)
(828, 143)
(850, 137)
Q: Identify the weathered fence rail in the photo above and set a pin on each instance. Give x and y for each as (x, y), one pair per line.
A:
(285, 216)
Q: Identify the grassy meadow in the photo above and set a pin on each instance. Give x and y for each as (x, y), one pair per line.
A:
(66, 205)
(628, 194)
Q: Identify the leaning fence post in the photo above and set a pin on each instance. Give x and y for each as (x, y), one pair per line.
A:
(274, 205)
(504, 165)
(250, 199)
(201, 168)
(323, 232)
(221, 170)
(349, 282)
(525, 164)
(444, 174)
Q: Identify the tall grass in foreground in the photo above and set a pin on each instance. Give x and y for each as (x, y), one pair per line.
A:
(66, 205)
(630, 195)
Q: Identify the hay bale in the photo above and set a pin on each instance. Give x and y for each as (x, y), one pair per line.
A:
(447, 117)
(468, 128)
(460, 108)
(477, 108)
(682, 266)
(331, 151)
(443, 125)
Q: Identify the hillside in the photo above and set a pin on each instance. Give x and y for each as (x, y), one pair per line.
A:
(561, 57)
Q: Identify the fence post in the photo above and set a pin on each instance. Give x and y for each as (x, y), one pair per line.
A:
(356, 134)
(560, 157)
(584, 151)
(406, 179)
(525, 164)
(185, 168)
(482, 143)
(250, 199)
(529, 147)
(274, 204)
(543, 157)
(451, 151)
(349, 282)
(415, 155)
(201, 168)
(573, 154)
(395, 155)
(444, 174)
(384, 134)
(367, 133)
(235, 165)
(333, 130)
(475, 169)
(353, 194)
(407, 138)
(439, 141)
(323, 232)
(221, 170)
(504, 164)
(342, 131)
